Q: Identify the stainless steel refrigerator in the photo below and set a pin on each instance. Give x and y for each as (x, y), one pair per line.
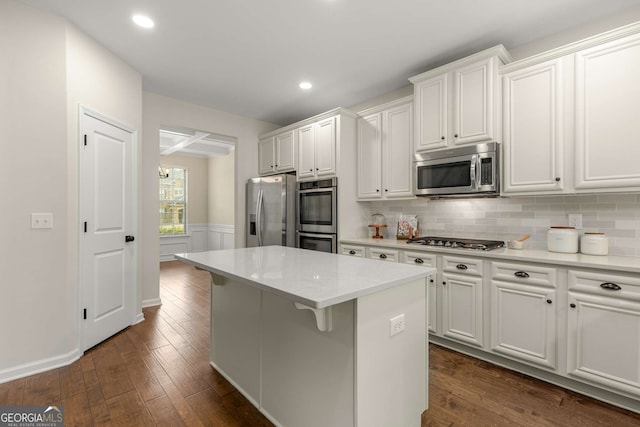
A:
(271, 211)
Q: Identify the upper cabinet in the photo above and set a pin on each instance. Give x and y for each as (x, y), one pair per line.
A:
(457, 104)
(385, 137)
(607, 124)
(569, 118)
(532, 133)
(277, 154)
(317, 149)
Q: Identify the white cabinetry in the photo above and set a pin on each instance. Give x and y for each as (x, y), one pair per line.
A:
(533, 128)
(462, 300)
(385, 137)
(427, 260)
(317, 149)
(277, 154)
(604, 330)
(383, 254)
(523, 313)
(457, 103)
(607, 125)
(357, 251)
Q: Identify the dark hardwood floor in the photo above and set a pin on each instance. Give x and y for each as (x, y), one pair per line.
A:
(157, 373)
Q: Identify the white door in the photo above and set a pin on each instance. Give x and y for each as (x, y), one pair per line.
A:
(306, 152)
(326, 147)
(473, 104)
(107, 261)
(431, 113)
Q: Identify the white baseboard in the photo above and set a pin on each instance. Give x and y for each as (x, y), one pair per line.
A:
(139, 318)
(151, 302)
(38, 366)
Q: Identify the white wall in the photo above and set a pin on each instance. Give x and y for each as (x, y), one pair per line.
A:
(161, 111)
(37, 296)
(221, 194)
(52, 68)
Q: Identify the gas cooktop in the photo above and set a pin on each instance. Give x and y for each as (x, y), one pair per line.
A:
(455, 242)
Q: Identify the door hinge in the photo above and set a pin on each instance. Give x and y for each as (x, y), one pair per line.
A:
(84, 314)
(85, 226)
(85, 140)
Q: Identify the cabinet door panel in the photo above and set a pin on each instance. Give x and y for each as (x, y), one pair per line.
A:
(306, 152)
(607, 105)
(462, 309)
(431, 113)
(285, 152)
(523, 322)
(369, 160)
(326, 147)
(604, 341)
(532, 129)
(266, 153)
(398, 137)
(473, 94)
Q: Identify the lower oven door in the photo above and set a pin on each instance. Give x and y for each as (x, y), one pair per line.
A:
(317, 242)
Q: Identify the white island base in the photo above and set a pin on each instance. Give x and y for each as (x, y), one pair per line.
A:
(267, 341)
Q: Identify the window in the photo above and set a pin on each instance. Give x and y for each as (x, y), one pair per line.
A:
(173, 202)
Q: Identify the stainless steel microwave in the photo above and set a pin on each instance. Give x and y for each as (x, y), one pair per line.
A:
(464, 171)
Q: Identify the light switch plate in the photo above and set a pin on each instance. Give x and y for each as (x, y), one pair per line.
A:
(42, 220)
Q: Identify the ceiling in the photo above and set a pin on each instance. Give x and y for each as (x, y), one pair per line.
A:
(248, 56)
(194, 143)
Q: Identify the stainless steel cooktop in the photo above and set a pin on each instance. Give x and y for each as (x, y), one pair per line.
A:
(459, 243)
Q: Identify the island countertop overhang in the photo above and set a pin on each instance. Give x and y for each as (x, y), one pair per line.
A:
(315, 279)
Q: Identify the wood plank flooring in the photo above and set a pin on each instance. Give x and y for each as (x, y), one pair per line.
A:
(157, 373)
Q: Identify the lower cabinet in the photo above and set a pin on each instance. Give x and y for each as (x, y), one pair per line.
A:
(352, 250)
(604, 330)
(462, 302)
(579, 325)
(383, 254)
(427, 260)
(523, 313)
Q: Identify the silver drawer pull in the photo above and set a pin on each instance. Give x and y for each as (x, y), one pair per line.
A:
(383, 256)
(521, 274)
(418, 261)
(610, 286)
(461, 267)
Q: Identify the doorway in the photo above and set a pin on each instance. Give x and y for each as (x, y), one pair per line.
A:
(196, 196)
(107, 247)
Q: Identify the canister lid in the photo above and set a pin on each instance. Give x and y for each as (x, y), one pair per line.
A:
(563, 227)
(594, 232)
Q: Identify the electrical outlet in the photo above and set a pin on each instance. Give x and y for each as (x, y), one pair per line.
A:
(396, 324)
(41, 220)
(575, 220)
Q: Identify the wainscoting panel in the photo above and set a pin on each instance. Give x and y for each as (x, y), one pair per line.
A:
(201, 237)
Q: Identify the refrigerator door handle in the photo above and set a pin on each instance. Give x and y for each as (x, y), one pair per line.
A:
(259, 204)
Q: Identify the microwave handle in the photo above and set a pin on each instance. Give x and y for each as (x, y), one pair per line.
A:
(472, 171)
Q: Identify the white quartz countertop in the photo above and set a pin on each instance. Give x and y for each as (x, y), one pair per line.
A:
(316, 279)
(617, 263)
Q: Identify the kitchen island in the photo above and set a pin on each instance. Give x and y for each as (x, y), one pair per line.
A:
(317, 339)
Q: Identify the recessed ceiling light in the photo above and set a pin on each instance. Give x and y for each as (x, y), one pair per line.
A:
(305, 85)
(143, 21)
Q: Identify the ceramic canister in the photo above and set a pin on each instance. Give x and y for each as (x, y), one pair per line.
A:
(593, 243)
(562, 239)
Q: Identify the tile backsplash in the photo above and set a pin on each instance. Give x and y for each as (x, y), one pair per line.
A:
(617, 215)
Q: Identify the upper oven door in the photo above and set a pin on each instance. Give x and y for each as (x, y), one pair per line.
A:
(453, 175)
(317, 210)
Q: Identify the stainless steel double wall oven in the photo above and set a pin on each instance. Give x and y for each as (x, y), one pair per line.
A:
(317, 215)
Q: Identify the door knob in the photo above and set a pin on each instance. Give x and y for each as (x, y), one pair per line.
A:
(129, 238)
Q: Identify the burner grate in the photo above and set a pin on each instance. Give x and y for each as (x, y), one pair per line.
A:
(456, 242)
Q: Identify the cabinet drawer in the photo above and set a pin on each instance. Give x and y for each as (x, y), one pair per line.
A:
(604, 284)
(383, 254)
(462, 265)
(357, 251)
(523, 273)
(419, 258)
